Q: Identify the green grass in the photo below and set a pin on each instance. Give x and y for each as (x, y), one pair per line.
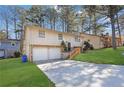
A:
(15, 73)
(103, 56)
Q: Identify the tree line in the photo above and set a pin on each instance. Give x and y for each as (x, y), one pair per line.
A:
(66, 18)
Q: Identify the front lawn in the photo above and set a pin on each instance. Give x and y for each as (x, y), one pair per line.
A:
(15, 73)
(103, 56)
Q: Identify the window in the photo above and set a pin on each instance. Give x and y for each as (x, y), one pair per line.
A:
(77, 39)
(60, 37)
(42, 34)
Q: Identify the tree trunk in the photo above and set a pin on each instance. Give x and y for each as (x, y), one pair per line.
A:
(90, 25)
(40, 22)
(82, 26)
(43, 23)
(16, 33)
(21, 42)
(22, 38)
(113, 32)
(94, 24)
(51, 27)
(63, 26)
(7, 29)
(119, 31)
(54, 24)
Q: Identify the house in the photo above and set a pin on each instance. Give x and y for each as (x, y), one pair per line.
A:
(8, 47)
(44, 44)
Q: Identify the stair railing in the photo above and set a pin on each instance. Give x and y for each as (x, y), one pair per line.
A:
(74, 52)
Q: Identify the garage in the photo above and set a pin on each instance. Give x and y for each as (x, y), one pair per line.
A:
(54, 53)
(2, 54)
(46, 53)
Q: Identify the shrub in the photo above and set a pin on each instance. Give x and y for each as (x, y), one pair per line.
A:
(91, 47)
(64, 46)
(17, 54)
(87, 46)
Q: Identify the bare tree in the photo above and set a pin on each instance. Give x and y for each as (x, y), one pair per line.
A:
(52, 16)
(15, 18)
(6, 18)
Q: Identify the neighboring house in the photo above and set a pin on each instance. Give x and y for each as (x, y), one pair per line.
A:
(8, 47)
(44, 44)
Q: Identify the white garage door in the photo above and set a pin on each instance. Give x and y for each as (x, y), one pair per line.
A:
(54, 53)
(1, 53)
(42, 53)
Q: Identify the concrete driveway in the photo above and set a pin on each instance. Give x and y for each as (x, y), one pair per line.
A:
(70, 73)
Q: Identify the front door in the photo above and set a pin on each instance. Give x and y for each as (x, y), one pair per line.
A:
(69, 46)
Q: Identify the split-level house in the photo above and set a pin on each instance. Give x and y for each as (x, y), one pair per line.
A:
(44, 44)
(8, 47)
